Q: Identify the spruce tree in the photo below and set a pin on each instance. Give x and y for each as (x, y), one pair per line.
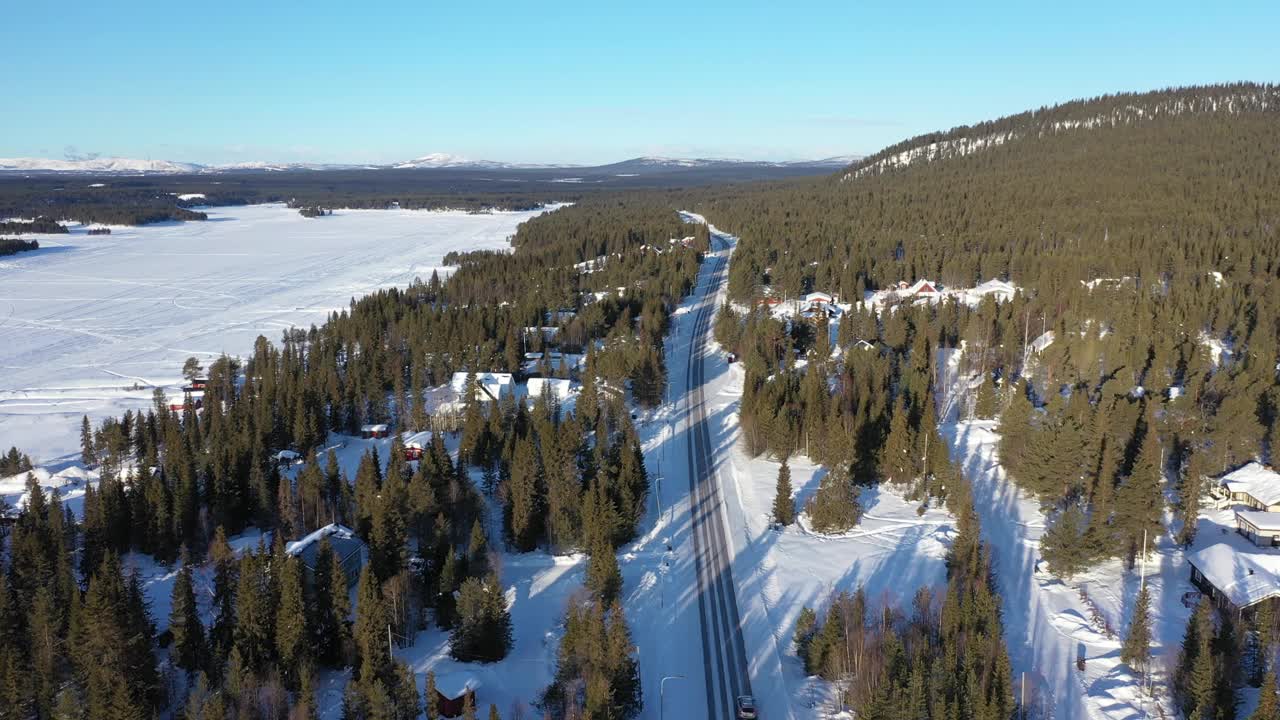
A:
(1136, 651)
(293, 633)
(1268, 704)
(189, 650)
(483, 630)
(784, 507)
(604, 578)
(834, 507)
(88, 455)
(433, 697)
(1140, 500)
(898, 460)
(1065, 543)
(330, 608)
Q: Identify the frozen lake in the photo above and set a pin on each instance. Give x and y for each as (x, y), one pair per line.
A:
(90, 324)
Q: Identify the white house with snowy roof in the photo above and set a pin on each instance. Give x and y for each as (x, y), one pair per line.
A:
(1236, 574)
(492, 386)
(1255, 485)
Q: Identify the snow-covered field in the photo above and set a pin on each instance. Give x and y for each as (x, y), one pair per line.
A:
(90, 324)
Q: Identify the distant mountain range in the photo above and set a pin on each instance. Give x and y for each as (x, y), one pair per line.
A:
(434, 161)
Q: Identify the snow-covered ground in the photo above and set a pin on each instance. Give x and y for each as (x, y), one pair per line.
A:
(1050, 622)
(90, 324)
(892, 553)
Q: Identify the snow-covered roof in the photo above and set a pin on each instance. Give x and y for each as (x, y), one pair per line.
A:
(922, 286)
(555, 387)
(817, 297)
(379, 428)
(454, 684)
(1245, 575)
(287, 455)
(1260, 519)
(998, 287)
(418, 440)
(342, 539)
(1256, 480)
(495, 383)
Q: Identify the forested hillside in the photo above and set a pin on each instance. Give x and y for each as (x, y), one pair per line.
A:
(1137, 357)
(175, 485)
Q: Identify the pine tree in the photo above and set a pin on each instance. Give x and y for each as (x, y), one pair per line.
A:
(189, 649)
(1136, 651)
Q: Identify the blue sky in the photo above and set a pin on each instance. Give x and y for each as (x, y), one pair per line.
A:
(580, 82)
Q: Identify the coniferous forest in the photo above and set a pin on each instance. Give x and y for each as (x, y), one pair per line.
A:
(1139, 357)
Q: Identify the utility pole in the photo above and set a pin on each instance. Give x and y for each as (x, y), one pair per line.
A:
(1022, 704)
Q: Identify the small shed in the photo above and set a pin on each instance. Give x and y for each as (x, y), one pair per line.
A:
(371, 432)
(452, 690)
(349, 549)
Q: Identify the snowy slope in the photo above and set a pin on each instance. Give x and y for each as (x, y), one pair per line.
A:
(96, 165)
(91, 324)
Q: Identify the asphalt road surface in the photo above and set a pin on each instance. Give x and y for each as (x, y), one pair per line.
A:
(723, 654)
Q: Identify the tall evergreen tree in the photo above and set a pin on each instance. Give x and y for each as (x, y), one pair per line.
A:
(784, 508)
(189, 649)
(1136, 651)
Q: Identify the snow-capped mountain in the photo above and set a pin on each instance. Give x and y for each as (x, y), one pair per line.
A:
(434, 161)
(97, 165)
(445, 160)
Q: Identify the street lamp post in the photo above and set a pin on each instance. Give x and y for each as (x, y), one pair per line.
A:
(662, 684)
